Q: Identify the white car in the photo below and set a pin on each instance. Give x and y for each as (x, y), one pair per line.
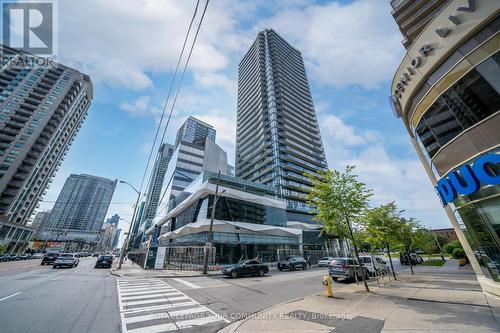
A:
(325, 261)
(66, 260)
(374, 264)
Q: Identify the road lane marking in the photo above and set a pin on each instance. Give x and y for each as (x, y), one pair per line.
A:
(152, 301)
(57, 278)
(164, 314)
(7, 297)
(187, 283)
(147, 292)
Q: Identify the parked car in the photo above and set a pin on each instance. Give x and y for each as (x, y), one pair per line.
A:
(96, 255)
(66, 259)
(26, 256)
(292, 263)
(5, 257)
(245, 267)
(49, 258)
(418, 259)
(405, 258)
(325, 261)
(104, 261)
(374, 264)
(346, 268)
(38, 255)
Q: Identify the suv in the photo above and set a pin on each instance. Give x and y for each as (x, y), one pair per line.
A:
(374, 264)
(346, 268)
(49, 258)
(292, 262)
(104, 261)
(66, 259)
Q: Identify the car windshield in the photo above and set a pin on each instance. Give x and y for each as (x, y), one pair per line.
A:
(290, 257)
(325, 258)
(106, 258)
(337, 262)
(66, 256)
(366, 260)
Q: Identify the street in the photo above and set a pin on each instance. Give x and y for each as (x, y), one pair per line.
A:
(38, 298)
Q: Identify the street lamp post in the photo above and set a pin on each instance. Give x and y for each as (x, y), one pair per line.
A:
(210, 229)
(124, 246)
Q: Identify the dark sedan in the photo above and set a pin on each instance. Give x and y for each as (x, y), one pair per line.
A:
(292, 263)
(246, 267)
(104, 261)
(49, 258)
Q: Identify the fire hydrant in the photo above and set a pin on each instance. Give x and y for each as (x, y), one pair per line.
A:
(328, 282)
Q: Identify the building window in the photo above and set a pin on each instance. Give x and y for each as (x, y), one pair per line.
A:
(473, 98)
(481, 224)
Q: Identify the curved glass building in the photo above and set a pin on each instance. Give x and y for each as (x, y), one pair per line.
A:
(447, 92)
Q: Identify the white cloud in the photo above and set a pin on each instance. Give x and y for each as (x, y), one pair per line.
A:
(343, 44)
(141, 107)
(392, 178)
(120, 41)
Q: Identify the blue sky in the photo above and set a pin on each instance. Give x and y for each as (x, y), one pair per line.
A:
(130, 47)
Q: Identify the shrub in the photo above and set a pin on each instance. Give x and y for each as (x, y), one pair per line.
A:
(458, 253)
(451, 246)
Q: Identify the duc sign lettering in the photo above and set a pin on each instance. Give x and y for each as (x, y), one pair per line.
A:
(467, 180)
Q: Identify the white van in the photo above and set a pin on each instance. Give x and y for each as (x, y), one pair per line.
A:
(374, 264)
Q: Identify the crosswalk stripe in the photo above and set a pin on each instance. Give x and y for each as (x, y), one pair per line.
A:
(158, 295)
(127, 303)
(139, 289)
(164, 315)
(160, 307)
(147, 292)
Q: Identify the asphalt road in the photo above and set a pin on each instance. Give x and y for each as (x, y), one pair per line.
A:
(36, 298)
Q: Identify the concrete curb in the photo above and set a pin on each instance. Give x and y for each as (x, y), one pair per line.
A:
(162, 276)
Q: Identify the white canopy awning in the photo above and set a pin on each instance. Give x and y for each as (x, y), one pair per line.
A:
(231, 227)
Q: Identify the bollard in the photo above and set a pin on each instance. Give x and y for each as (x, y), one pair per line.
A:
(328, 282)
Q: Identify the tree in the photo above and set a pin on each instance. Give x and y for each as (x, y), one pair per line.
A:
(382, 225)
(424, 240)
(341, 199)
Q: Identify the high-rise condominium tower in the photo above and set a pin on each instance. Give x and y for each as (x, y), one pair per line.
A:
(82, 205)
(277, 134)
(156, 183)
(41, 111)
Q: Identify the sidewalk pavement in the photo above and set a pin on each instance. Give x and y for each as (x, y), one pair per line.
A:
(435, 299)
(132, 270)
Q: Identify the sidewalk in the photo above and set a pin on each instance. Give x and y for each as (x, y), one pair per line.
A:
(131, 270)
(435, 299)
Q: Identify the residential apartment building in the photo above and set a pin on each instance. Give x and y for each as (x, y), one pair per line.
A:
(192, 155)
(41, 111)
(115, 219)
(413, 15)
(40, 221)
(446, 91)
(277, 133)
(80, 208)
(195, 131)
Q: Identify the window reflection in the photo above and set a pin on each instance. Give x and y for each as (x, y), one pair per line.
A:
(472, 99)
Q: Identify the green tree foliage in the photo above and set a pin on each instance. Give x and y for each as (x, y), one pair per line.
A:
(449, 247)
(458, 253)
(341, 200)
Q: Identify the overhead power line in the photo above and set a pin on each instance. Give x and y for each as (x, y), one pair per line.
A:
(168, 98)
(181, 79)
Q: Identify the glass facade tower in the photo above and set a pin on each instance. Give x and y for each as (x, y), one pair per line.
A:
(277, 136)
(447, 92)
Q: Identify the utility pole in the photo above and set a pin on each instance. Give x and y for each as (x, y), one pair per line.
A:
(124, 246)
(210, 228)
